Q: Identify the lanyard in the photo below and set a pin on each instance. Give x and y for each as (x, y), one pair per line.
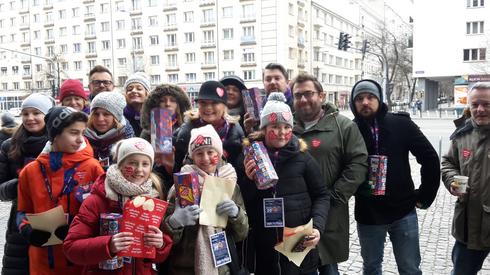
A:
(375, 134)
(68, 184)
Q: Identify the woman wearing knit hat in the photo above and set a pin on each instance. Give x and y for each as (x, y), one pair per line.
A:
(212, 109)
(130, 177)
(73, 95)
(233, 87)
(137, 88)
(192, 253)
(62, 175)
(107, 125)
(304, 195)
(24, 146)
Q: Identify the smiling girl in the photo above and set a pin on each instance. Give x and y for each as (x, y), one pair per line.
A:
(137, 88)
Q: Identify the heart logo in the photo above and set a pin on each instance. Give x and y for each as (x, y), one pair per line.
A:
(220, 92)
(273, 118)
(140, 146)
(466, 154)
(138, 201)
(286, 115)
(315, 143)
(149, 205)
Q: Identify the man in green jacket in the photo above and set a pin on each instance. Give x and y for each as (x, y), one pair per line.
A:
(338, 147)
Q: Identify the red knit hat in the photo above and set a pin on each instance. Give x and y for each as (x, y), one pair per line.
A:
(72, 87)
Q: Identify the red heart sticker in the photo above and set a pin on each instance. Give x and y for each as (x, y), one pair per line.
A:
(315, 143)
(466, 153)
(220, 92)
(286, 115)
(140, 145)
(273, 118)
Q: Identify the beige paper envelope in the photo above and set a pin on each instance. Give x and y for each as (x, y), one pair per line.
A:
(214, 191)
(49, 221)
(291, 238)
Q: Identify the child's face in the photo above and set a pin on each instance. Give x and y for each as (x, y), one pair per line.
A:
(136, 168)
(277, 135)
(206, 159)
(70, 140)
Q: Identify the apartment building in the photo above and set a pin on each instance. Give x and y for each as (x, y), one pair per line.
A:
(184, 42)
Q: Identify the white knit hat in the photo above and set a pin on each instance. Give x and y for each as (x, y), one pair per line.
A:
(276, 111)
(132, 146)
(38, 101)
(203, 137)
(138, 77)
(113, 102)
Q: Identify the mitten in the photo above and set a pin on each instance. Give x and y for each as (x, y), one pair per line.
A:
(35, 237)
(61, 232)
(186, 216)
(227, 207)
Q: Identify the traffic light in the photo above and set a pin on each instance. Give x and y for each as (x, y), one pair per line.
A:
(344, 42)
(341, 41)
(365, 46)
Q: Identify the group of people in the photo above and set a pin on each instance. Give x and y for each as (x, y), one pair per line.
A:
(93, 153)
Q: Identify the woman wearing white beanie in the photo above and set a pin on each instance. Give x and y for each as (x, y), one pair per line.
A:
(107, 125)
(137, 88)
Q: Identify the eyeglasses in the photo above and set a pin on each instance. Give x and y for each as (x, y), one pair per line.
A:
(104, 82)
(307, 95)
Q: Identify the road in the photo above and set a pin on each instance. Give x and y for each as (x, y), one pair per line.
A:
(434, 224)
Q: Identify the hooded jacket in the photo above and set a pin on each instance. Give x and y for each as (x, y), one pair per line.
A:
(398, 136)
(34, 198)
(15, 255)
(85, 246)
(305, 197)
(337, 145)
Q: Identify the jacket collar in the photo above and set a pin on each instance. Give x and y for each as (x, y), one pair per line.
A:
(323, 125)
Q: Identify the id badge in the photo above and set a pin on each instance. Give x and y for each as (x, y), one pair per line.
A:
(378, 167)
(273, 212)
(82, 192)
(219, 248)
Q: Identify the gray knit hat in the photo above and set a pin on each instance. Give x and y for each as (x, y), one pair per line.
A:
(366, 86)
(276, 110)
(8, 121)
(138, 77)
(113, 102)
(39, 101)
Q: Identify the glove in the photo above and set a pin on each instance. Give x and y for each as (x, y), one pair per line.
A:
(61, 232)
(35, 237)
(186, 216)
(227, 207)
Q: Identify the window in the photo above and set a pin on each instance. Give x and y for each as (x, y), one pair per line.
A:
(90, 29)
(208, 58)
(170, 19)
(35, 18)
(75, 12)
(228, 54)
(91, 47)
(291, 9)
(249, 57)
(106, 44)
(39, 84)
(77, 65)
(39, 67)
(154, 40)
(37, 34)
(62, 14)
(76, 29)
(120, 7)
(475, 3)
(474, 54)
(155, 60)
(106, 62)
(190, 77)
(155, 79)
(121, 62)
(228, 33)
(171, 40)
(209, 76)
(76, 47)
(227, 73)
(27, 85)
(173, 78)
(248, 75)
(49, 17)
(291, 31)
(188, 16)
(152, 21)
(104, 8)
(104, 26)
(89, 10)
(152, 3)
(16, 85)
(190, 57)
(136, 4)
(228, 12)
(137, 43)
(63, 48)
(49, 34)
(121, 43)
(476, 27)
(189, 37)
(248, 11)
(208, 36)
(136, 23)
(15, 69)
(91, 63)
(64, 66)
(248, 33)
(172, 60)
(208, 16)
(121, 80)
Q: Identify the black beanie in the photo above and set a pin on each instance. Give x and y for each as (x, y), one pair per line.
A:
(366, 86)
(212, 90)
(60, 117)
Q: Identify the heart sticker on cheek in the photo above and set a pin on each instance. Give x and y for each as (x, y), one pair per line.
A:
(271, 135)
(128, 171)
(288, 135)
(214, 160)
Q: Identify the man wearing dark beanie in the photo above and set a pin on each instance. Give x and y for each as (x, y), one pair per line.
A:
(61, 175)
(386, 201)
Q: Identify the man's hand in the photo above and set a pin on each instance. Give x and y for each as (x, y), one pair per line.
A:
(313, 239)
(453, 189)
(249, 123)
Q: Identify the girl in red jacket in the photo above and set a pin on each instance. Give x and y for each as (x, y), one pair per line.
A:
(130, 177)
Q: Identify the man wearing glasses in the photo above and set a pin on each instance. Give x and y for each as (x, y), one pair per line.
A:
(337, 145)
(100, 81)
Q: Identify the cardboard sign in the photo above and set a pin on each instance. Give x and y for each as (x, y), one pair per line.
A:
(187, 188)
(138, 214)
(161, 130)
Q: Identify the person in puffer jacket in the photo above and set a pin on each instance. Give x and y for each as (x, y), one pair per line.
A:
(60, 176)
(130, 177)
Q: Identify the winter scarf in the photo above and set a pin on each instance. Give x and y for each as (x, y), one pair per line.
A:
(116, 185)
(102, 143)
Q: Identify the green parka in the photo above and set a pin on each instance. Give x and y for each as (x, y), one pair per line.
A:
(337, 145)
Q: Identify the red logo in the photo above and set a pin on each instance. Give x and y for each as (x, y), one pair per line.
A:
(466, 153)
(140, 146)
(273, 118)
(220, 91)
(315, 143)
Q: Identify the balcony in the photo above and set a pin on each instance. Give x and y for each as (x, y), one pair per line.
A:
(24, 11)
(138, 51)
(171, 47)
(137, 32)
(248, 63)
(301, 64)
(208, 44)
(170, 7)
(27, 76)
(91, 55)
(301, 42)
(206, 3)
(48, 7)
(206, 66)
(89, 17)
(170, 27)
(49, 41)
(301, 3)
(49, 25)
(25, 60)
(208, 23)
(25, 44)
(247, 19)
(247, 40)
(135, 13)
(90, 35)
(172, 68)
(88, 1)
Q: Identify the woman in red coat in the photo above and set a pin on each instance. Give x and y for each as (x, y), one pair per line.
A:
(130, 177)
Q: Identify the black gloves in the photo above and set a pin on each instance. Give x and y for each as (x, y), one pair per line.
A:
(61, 232)
(35, 237)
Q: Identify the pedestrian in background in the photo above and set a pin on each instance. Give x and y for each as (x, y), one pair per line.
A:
(336, 144)
(65, 167)
(73, 95)
(24, 146)
(137, 88)
(107, 125)
(8, 127)
(387, 199)
(130, 177)
(469, 156)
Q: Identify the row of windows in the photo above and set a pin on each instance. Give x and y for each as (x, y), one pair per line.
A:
(478, 54)
(475, 3)
(104, 7)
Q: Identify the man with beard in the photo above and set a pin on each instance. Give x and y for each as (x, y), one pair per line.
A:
(335, 143)
(469, 156)
(386, 201)
(100, 80)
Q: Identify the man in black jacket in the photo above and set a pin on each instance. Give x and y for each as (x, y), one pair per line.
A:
(386, 201)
